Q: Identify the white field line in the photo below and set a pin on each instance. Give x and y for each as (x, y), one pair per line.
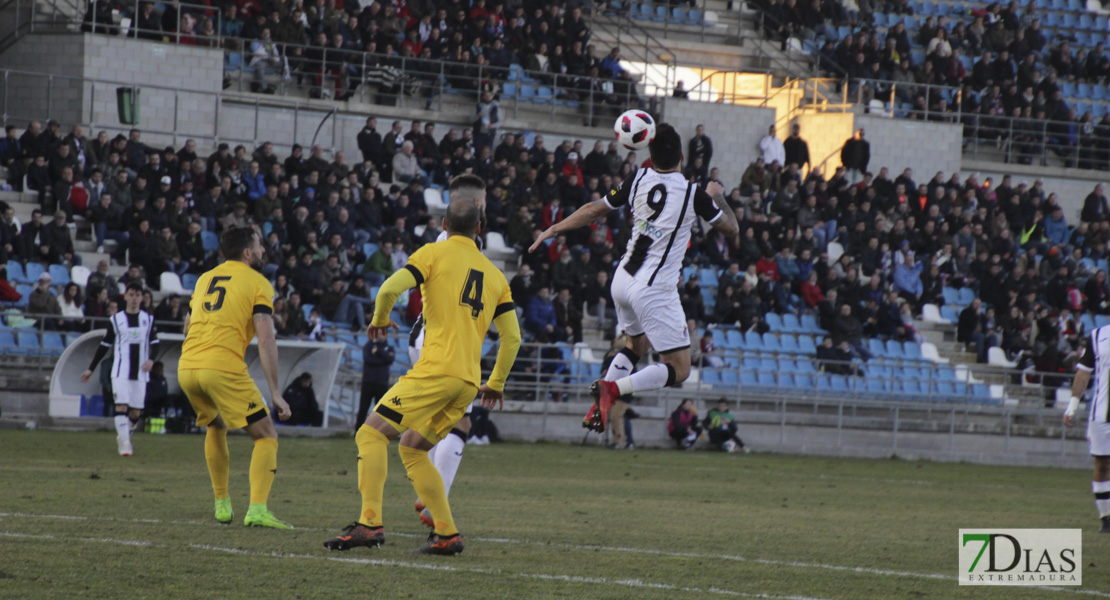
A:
(588, 547)
(625, 583)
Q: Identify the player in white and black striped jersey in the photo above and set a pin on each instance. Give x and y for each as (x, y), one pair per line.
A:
(665, 207)
(1095, 361)
(133, 340)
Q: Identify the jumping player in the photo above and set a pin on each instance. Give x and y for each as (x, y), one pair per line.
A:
(645, 286)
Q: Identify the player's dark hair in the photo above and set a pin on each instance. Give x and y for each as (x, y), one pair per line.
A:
(234, 241)
(666, 148)
(468, 181)
(462, 217)
(135, 285)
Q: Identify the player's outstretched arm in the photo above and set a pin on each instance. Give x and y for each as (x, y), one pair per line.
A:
(509, 330)
(268, 356)
(397, 284)
(585, 215)
(1078, 387)
(727, 223)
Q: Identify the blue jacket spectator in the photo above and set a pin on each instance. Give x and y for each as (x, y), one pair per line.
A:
(540, 316)
(1056, 227)
(907, 277)
(788, 267)
(255, 182)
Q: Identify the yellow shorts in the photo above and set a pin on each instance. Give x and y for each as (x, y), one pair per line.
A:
(430, 406)
(234, 396)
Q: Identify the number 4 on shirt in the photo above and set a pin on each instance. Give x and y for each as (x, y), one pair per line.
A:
(472, 292)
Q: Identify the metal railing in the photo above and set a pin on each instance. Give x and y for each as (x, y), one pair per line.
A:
(1015, 139)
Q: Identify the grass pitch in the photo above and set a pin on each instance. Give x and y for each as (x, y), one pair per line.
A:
(541, 520)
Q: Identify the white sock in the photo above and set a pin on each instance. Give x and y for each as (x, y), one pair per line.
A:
(1102, 497)
(620, 366)
(448, 457)
(651, 377)
(123, 428)
(432, 453)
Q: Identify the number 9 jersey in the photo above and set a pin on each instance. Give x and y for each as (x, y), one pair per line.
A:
(221, 325)
(463, 292)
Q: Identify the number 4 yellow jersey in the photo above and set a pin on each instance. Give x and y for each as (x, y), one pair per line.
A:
(462, 293)
(222, 321)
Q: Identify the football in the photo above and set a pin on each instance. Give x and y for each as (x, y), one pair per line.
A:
(634, 129)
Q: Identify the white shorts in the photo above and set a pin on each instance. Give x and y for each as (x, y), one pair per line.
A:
(655, 311)
(414, 355)
(129, 392)
(1098, 436)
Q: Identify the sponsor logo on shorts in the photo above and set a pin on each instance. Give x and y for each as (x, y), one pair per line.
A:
(252, 406)
(395, 401)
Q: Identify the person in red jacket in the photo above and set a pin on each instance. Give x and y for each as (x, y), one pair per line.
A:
(682, 426)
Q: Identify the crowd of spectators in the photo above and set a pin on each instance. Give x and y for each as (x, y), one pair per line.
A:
(861, 251)
(397, 46)
(1011, 78)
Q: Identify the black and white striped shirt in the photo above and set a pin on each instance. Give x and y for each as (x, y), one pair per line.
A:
(133, 339)
(1096, 359)
(664, 208)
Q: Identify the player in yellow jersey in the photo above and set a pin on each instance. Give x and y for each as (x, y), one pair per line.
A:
(463, 292)
(231, 304)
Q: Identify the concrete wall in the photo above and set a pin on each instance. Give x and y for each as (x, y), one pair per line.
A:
(25, 97)
(735, 131)
(924, 147)
(527, 421)
(1071, 188)
(825, 134)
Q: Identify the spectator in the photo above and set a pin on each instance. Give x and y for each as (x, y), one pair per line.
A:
(568, 317)
(539, 318)
(682, 426)
(302, 402)
(72, 308)
(377, 356)
(795, 149)
(700, 146)
(722, 429)
(855, 155)
(42, 301)
(170, 254)
(772, 148)
(60, 244)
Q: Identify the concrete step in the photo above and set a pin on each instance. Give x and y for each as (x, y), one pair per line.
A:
(13, 197)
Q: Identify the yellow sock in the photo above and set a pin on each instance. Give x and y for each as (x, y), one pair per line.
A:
(429, 488)
(215, 454)
(263, 469)
(373, 465)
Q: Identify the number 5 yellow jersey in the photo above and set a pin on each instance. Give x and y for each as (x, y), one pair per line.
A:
(221, 325)
(462, 292)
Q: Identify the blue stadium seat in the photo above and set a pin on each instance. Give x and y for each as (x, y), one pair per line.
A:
(877, 348)
(25, 291)
(1083, 90)
(806, 345)
(735, 339)
(719, 338)
(15, 272)
(28, 342)
(233, 61)
(543, 95)
(688, 271)
(53, 342)
(910, 388)
(210, 241)
(765, 379)
(768, 364)
(804, 380)
(1070, 20)
(527, 92)
(967, 295)
(774, 321)
(876, 387)
(369, 248)
(189, 281)
(839, 383)
(785, 365)
(949, 312)
(7, 340)
(729, 378)
(951, 295)
(912, 351)
(32, 272)
(693, 17)
(59, 275)
(771, 342)
(707, 278)
(753, 341)
(678, 15)
(642, 12)
(790, 344)
(790, 323)
(894, 349)
(660, 14)
(747, 380)
(804, 365)
(515, 72)
(1088, 322)
(810, 325)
